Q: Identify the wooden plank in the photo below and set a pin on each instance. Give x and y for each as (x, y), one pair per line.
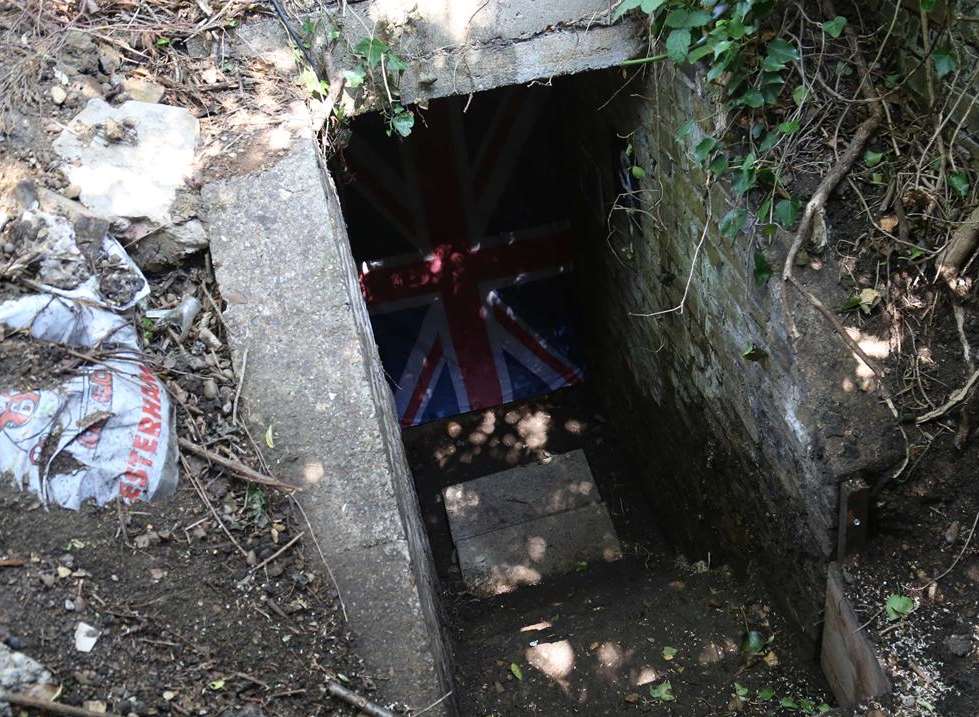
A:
(848, 658)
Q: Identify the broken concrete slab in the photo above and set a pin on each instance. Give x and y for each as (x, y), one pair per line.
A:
(284, 267)
(138, 174)
(459, 47)
(520, 495)
(524, 554)
(169, 245)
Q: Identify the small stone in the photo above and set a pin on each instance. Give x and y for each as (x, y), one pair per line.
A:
(210, 389)
(952, 533)
(9, 248)
(58, 95)
(109, 60)
(632, 698)
(47, 579)
(114, 132)
(142, 90)
(711, 654)
(959, 645)
(72, 191)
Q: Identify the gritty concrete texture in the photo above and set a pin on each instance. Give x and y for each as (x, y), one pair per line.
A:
(130, 160)
(458, 46)
(520, 495)
(524, 554)
(283, 264)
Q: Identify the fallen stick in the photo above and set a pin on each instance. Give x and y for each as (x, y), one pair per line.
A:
(240, 469)
(352, 698)
(951, 259)
(278, 552)
(956, 398)
(12, 563)
(49, 706)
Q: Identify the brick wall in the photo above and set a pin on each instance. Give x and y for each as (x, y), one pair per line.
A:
(740, 458)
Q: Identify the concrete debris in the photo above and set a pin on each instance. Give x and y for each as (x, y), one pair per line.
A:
(85, 637)
(166, 247)
(132, 179)
(22, 674)
(142, 90)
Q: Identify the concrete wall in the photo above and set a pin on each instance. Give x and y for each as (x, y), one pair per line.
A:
(455, 47)
(734, 455)
(283, 263)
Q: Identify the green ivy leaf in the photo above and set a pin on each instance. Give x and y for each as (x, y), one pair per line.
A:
(752, 98)
(355, 77)
(683, 17)
(651, 6)
(800, 94)
(371, 49)
(790, 127)
(781, 51)
(740, 690)
(898, 606)
(770, 140)
(928, 5)
(766, 694)
(787, 211)
(733, 222)
(788, 703)
(763, 270)
(637, 171)
(718, 165)
(944, 63)
(395, 63)
(753, 642)
(703, 149)
(662, 692)
(516, 670)
(834, 27)
(959, 181)
(669, 653)
(677, 44)
(872, 158)
(402, 121)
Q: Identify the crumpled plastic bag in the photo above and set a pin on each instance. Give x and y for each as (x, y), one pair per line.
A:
(108, 431)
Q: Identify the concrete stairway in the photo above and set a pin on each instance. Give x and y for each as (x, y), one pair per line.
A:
(521, 525)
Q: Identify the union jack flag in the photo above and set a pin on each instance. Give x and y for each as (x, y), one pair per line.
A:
(465, 255)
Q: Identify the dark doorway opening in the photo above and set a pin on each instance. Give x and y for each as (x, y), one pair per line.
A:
(476, 241)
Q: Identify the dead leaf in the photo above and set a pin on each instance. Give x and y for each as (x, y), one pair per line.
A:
(888, 223)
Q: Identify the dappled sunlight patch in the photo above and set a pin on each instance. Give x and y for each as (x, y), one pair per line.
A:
(536, 627)
(507, 578)
(554, 659)
(533, 429)
(536, 548)
(876, 348)
(645, 675)
(612, 658)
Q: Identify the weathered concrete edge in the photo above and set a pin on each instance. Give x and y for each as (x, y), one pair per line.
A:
(848, 658)
(435, 72)
(422, 563)
(360, 499)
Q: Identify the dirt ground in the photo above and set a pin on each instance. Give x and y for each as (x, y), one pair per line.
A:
(188, 625)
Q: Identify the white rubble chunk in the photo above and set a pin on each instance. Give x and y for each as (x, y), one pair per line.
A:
(139, 175)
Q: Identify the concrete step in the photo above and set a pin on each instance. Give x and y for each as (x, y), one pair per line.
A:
(516, 527)
(520, 495)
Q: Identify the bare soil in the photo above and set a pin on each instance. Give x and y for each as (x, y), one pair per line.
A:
(188, 625)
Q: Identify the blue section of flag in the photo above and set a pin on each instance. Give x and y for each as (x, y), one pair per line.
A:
(525, 382)
(443, 402)
(548, 307)
(396, 333)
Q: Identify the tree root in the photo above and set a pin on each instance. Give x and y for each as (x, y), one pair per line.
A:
(951, 260)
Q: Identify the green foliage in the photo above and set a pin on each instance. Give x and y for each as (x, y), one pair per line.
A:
(763, 270)
(959, 181)
(898, 606)
(834, 28)
(944, 63)
(662, 692)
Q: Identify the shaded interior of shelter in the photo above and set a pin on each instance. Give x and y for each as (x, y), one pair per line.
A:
(594, 630)
(496, 165)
